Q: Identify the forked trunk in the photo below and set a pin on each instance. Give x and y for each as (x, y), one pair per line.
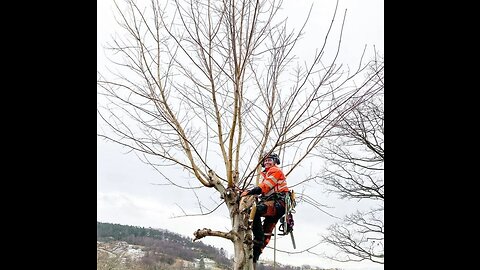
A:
(241, 233)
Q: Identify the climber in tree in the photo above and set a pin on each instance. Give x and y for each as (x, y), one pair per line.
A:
(271, 205)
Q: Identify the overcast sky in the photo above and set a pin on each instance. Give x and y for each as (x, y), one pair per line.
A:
(128, 191)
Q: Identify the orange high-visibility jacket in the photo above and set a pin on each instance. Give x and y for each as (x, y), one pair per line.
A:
(273, 181)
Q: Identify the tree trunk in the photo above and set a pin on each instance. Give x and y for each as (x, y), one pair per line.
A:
(242, 244)
(241, 233)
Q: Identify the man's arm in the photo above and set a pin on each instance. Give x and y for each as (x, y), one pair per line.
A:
(255, 190)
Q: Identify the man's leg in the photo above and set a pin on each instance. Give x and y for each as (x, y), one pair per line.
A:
(258, 237)
(274, 211)
(268, 227)
(258, 234)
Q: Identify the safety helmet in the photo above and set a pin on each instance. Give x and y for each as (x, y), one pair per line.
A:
(273, 156)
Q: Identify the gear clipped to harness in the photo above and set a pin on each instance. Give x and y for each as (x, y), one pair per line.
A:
(288, 224)
(286, 221)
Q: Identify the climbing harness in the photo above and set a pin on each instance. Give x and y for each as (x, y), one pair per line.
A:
(249, 208)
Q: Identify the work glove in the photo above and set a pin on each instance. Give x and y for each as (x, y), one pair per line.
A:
(255, 190)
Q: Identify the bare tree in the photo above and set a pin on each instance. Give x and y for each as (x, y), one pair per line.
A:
(355, 171)
(201, 82)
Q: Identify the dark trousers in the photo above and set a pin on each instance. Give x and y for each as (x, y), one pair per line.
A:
(271, 211)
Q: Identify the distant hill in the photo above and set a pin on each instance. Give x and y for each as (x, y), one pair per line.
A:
(131, 247)
(159, 246)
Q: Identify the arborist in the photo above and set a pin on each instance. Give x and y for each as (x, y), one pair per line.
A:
(271, 205)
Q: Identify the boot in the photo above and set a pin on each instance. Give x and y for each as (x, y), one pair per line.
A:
(256, 254)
